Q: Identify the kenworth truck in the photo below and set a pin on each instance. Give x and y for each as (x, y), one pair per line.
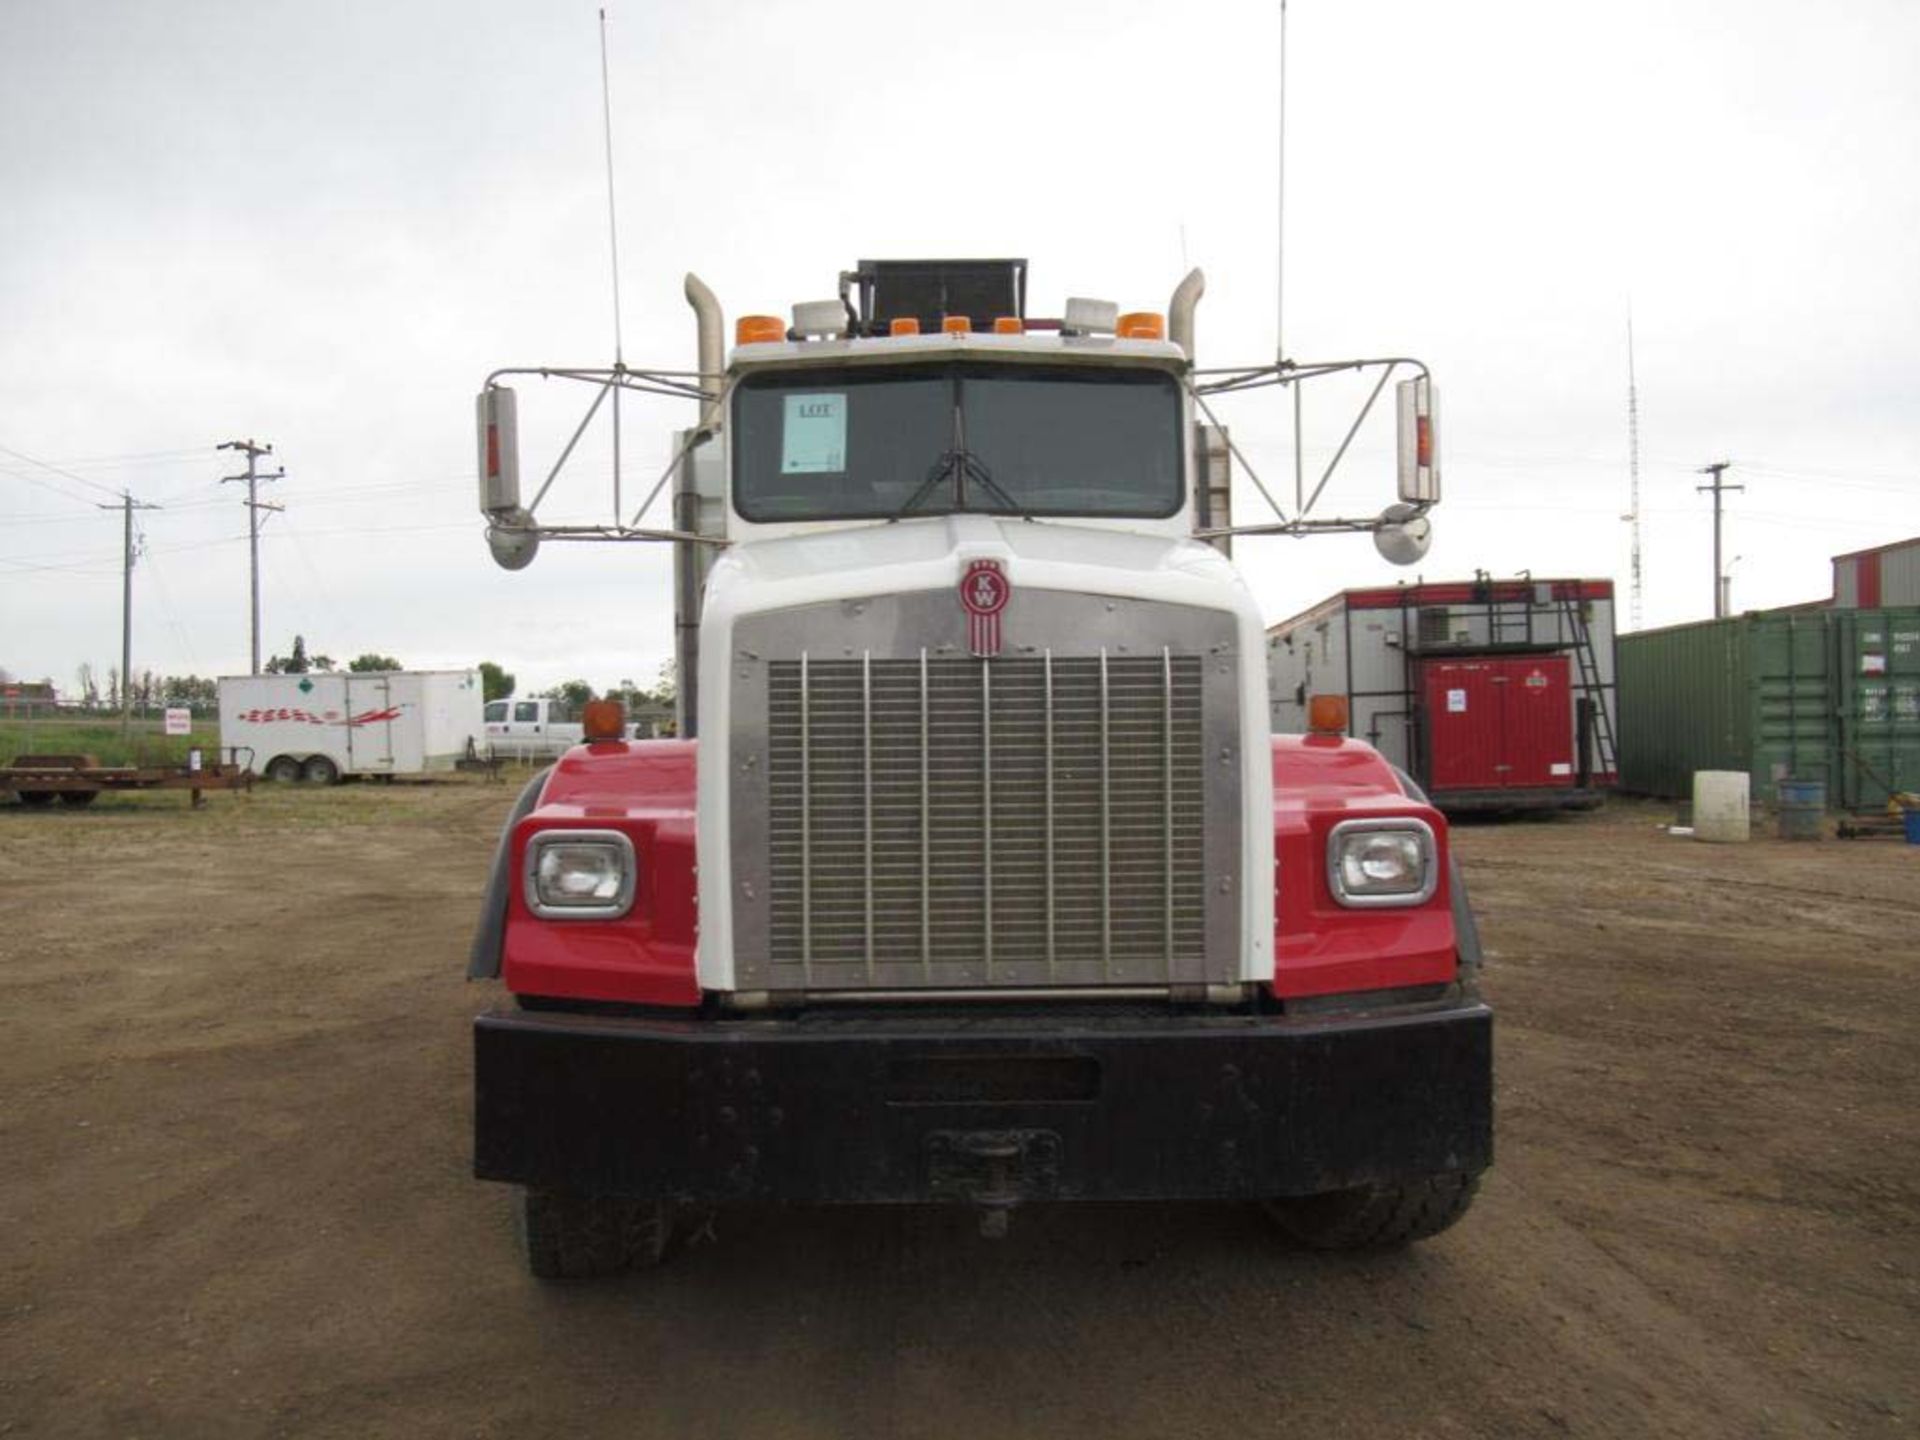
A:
(975, 875)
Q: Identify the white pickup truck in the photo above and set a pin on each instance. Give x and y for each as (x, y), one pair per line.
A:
(531, 729)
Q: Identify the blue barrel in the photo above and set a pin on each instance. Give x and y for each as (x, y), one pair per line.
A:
(1803, 806)
(1912, 820)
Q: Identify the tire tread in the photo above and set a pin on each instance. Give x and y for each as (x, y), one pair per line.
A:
(1377, 1217)
(581, 1237)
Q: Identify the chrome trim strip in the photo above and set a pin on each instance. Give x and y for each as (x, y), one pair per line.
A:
(926, 820)
(806, 827)
(866, 799)
(1047, 674)
(986, 815)
(1166, 789)
(1106, 826)
(1004, 995)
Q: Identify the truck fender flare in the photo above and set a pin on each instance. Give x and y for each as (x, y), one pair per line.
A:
(489, 940)
(1466, 930)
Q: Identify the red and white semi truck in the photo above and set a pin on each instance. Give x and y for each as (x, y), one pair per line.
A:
(978, 875)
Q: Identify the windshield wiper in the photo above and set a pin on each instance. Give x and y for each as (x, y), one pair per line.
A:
(960, 463)
(939, 471)
(964, 468)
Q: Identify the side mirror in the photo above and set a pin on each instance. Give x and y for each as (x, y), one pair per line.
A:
(497, 421)
(1419, 406)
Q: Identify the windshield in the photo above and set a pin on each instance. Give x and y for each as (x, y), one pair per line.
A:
(868, 442)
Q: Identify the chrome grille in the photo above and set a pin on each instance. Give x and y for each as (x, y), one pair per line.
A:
(1026, 820)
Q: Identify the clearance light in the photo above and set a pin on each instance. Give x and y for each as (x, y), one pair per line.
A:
(904, 325)
(758, 329)
(1327, 714)
(1009, 325)
(1382, 862)
(1141, 325)
(580, 874)
(956, 325)
(604, 720)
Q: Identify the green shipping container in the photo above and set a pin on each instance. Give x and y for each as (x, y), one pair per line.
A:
(1829, 695)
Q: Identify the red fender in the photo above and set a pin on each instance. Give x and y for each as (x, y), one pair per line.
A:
(1322, 947)
(644, 789)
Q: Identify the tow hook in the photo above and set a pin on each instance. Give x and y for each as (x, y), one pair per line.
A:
(994, 1170)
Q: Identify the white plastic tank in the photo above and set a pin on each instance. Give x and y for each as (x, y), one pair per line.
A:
(1720, 805)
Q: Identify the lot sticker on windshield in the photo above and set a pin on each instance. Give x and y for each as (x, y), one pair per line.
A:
(813, 441)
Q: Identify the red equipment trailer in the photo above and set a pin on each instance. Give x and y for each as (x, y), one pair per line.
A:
(1493, 695)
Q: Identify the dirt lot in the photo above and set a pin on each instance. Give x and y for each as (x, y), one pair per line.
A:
(234, 1195)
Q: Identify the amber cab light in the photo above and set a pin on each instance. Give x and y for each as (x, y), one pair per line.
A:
(1327, 714)
(956, 325)
(1009, 325)
(1141, 325)
(758, 329)
(603, 720)
(903, 325)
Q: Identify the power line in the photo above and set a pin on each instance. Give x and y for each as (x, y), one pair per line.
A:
(56, 470)
(60, 490)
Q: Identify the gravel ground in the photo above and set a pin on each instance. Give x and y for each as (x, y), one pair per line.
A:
(235, 1198)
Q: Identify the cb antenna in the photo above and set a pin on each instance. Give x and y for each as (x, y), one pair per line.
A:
(613, 218)
(613, 250)
(1280, 216)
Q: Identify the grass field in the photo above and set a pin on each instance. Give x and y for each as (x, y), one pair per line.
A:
(144, 745)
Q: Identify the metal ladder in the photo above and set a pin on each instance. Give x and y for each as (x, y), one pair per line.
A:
(1589, 666)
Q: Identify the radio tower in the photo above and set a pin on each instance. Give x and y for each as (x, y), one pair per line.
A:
(1632, 517)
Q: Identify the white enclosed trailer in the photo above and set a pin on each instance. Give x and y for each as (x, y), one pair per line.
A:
(319, 727)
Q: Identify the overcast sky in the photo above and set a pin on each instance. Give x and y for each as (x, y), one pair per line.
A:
(322, 225)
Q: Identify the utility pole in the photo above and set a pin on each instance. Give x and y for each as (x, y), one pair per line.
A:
(1718, 488)
(254, 506)
(126, 507)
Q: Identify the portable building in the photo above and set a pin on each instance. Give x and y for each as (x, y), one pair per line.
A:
(320, 727)
(1811, 693)
(1492, 694)
(1887, 576)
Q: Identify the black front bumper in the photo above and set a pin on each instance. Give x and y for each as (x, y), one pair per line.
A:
(866, 1107)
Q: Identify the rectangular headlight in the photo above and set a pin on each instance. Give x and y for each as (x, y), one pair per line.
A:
(1389, 861)
(580, 874)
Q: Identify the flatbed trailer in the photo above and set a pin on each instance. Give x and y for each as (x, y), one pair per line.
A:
(77, 780)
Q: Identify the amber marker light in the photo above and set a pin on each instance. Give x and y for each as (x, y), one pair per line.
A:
(603, 720)
(903, 325)
(758, 329)
(1141, 325)
(956, 325)
(1327, 714)
(1009, 325)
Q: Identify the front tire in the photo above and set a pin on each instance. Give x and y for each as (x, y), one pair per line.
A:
(572, 1236)
(1376, 1217)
